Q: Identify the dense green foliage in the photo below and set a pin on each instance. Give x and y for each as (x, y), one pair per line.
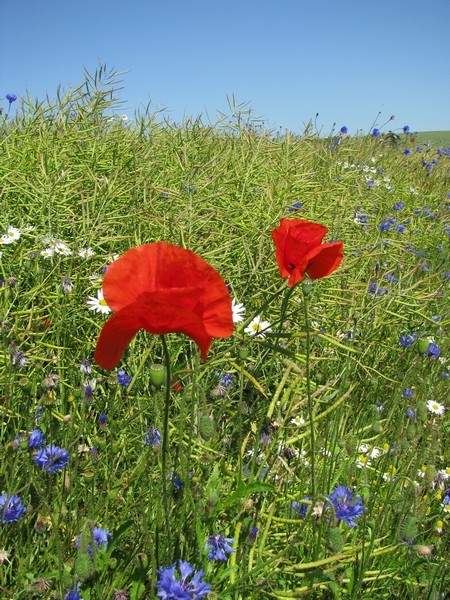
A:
(240, 448)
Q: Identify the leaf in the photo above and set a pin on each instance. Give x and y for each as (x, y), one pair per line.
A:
(244, 491)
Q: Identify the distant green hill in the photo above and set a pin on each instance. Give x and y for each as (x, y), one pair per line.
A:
(434, 137)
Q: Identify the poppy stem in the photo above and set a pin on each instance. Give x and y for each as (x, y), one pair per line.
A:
(306, 293)
(165, 441)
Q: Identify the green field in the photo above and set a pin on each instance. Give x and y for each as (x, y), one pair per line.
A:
(440, 138)
(304, 457)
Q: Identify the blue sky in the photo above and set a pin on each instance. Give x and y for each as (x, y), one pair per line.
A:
(347, 60)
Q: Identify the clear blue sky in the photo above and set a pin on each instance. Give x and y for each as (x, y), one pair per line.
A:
(344, 59)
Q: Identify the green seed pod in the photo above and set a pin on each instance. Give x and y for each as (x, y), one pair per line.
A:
(206, 427)
(335, 541)
(157, 375)
(83, 567)
(409, 529)
(307, 288)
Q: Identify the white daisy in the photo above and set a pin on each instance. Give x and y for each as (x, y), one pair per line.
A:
(98, 304)
(96, 279)
(362, 461)
(435, 407)
(258, 327)
(12, 234)
(238, 311)
(86, 252)
(62, 248)
(47, 252)
(298, 420)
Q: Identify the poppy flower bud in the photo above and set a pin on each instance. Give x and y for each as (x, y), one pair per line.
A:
(157, 374)
(422, 346)
(83, 567)
(243, 352)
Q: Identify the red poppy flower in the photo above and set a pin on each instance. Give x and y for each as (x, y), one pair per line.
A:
(299, 250)
(163, 289)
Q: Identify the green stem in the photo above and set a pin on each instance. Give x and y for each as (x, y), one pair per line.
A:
(308, 391)
(165, 442)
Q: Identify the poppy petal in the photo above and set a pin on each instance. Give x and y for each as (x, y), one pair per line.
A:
(153, 316)
(324, 259)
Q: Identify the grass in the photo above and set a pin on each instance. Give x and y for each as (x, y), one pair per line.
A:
(240, 442)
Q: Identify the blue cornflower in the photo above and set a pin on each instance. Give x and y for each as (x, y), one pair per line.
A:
(300, 508)
(153, 437)
(219, 547)
(295, 206)
(11, 508)
(385, 225)
(391, 278)
(345, 508)
(407, 340)
(375, 289)
(164, 195)
(400, 228)
(36, 439)
(433, 351)
(406, 129)
(171, 587)
(399, 206)
(72, 595)
(11, 98)
(376, 132)
(370, 183)
(226, 379)
(123, 379)
(252, 534)
(406, 151)
(411, 413)
(344, 129)
(408, 393)
(52, 458)
(100, 538)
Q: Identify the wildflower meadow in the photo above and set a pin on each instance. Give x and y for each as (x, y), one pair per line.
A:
(224, 366)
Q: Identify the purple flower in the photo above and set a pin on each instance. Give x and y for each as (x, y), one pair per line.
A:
(300, 508)
(376, 132)
(400, 228)
(407, 340)
(153, 437)
(72, 595)
(170, 587)
(411, 413)
(345, 507)
(344, 129)
(52, 458)
(399, 206)
(433, 351)
(295, 206)
(36, 439)
(219, 547)
(123, 379)
(408, 393)
(406, 129)
(11, 508)
(11, 98)
(100, 538)
(406, 151)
